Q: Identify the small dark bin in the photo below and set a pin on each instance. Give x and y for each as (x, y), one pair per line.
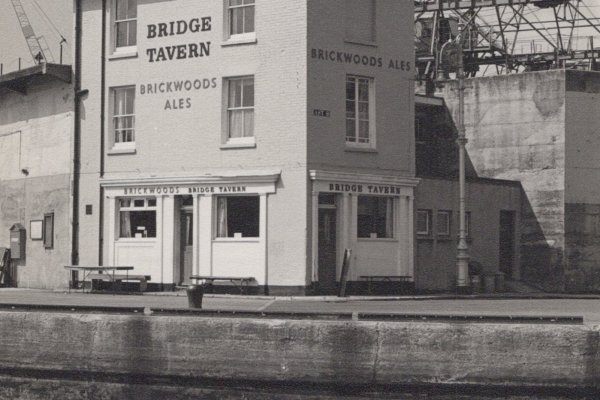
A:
(195, 294)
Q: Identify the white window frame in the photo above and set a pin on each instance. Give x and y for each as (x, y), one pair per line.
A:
(243, 141)
(371, 143)
(392, 219)
(244, 37)
(218, 238)
(121, 145)
(448, 217)
(428, 223)
(131, 48)
(132, 207)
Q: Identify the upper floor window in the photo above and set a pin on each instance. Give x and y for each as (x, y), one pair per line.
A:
(125, 28)
(124, 115)
(240, 16)
(240, 109)
(360, 21)
(360, 126)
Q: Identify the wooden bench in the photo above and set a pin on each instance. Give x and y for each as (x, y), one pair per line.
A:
(384, 278)
(107, 272)
(239, 282)
(116, 279)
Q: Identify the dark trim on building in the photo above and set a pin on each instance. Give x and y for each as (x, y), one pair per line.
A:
(76, 137)
(102, 136)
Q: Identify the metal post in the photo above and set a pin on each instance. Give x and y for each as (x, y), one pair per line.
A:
(462, 250)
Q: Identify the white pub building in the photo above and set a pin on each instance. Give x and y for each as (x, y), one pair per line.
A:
(250, 138)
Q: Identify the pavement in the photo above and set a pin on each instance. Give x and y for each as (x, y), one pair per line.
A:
(505, 305)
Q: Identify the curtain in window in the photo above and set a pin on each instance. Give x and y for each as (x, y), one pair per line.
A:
(222, 217)
(125, 224)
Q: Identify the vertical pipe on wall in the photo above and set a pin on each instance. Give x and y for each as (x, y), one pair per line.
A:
(102, 135)
(76, 138)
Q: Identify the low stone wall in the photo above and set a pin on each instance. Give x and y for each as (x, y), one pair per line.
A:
(307, 352)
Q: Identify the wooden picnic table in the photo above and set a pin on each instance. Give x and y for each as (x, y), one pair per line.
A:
(239, 282)
(109, 270)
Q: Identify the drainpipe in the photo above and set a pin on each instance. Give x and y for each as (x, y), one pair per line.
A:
(102, 136)
(76, 138)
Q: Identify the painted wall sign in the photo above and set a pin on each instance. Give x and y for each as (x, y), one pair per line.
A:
(364, 188)
(321, 113)
(179, 86)
(203, 189)
(345, 57)
(181, 51)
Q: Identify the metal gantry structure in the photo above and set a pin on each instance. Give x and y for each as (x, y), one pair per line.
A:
(40, 52)
(505, 36)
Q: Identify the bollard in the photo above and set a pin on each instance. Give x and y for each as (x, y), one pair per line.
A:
(195, 294)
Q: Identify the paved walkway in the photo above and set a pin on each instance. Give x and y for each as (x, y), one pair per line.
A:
(587, 307)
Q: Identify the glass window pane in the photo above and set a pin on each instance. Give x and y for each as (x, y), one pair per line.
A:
(363, 110)
(248, 123)
(121, 12)
(363, 129)
(235, 93)
(151, 202)
(138, 203)
(363, 90)
(132, 9)
(350, 90)
(236, 123)
(129, 101)
(124, 202)
(350, 130)
(235, 2)
(249, 19)
(248, 1)
(236, 21)
(132, 30)
(121, 34)
(248, 91)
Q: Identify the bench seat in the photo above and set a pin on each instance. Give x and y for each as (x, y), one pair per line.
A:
(117, 278)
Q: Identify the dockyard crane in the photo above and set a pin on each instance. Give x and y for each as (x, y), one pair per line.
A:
(38, 52)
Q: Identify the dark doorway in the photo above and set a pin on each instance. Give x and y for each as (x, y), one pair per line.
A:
(507, 242)
(187, 244)
(327, 244)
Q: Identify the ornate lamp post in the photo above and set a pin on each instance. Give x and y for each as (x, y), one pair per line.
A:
(462, 249)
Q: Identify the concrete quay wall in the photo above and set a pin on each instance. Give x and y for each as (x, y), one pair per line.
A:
(300, 351)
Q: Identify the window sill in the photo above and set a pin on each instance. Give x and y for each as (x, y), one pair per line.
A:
(237, 240)
(136, 240)
(359, 149)
(377, 240)
(237, 40)
(124, 150)
(123, 54)
(234, 145)
(361, 43)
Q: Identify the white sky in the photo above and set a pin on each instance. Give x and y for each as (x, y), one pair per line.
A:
(12, 41)
(13, 45)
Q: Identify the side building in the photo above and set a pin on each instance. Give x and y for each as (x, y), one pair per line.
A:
(36, 143)
(540, 128)
(248, 138)
(493, 210)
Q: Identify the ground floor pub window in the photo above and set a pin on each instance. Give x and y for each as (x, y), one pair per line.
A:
(375, 217)
(137, 217)
(238, 216)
